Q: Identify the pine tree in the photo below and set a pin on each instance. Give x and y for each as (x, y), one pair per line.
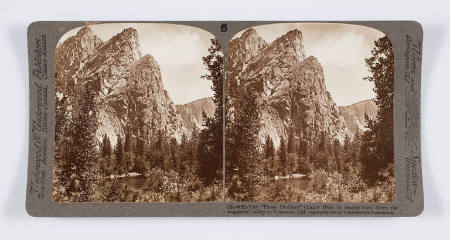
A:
(118, 152)
(184, 154)
(85, 153)
(290, 143)
(173, 154)
(271, 149)
(377, 147)
(210, 152)
(206, 153)
(63, 148)
(268, 147)
(283, 156)
(336, 147)
(106, 146)
(347, 143)
(323, 142)
(128, 148)
(337, 155)
(302, 148)
(156, 153)
(105, 160)
(193, 162)
(140, 146)
(140, 165)
(214, 64)
(245, 169)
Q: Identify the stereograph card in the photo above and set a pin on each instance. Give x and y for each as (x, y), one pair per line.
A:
(236, 119)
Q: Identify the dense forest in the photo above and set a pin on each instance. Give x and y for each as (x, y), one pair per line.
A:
(318, 170)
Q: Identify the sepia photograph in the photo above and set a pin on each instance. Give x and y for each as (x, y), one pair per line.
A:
(309, 114)
(138, 114)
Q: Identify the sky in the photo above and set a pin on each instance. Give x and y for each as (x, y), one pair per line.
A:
(341, 50)
(178, 49)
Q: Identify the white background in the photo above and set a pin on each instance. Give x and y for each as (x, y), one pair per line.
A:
(434, 223)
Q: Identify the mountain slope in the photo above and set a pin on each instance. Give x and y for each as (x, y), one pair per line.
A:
(70, 55)
(130, 95)
(354, 114)
(292, 93)
(191, 113)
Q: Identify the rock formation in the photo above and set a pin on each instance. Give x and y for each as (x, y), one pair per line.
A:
(354, 115)
(291, 88)
(130, 95)
(192, 113)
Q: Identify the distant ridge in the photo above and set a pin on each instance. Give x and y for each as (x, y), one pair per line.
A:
(354, 114)
(191, 112)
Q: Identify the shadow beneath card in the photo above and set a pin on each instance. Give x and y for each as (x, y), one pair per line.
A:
(434, 36)
(15, 203)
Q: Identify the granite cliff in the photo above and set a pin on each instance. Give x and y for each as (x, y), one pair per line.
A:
(130, 95)
(354, 114)
(192, 113)
(291, 87)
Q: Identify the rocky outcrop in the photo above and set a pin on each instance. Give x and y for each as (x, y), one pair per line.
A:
(354, 114)
(107, 64)
(130, 93)
(140, 102)
(291, 89)
(192, 113)
(70, 54)
(243, 48)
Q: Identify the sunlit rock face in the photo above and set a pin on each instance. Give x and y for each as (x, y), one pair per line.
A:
(354, 115)
(192, 113)
(130, 95)
(291, 87)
